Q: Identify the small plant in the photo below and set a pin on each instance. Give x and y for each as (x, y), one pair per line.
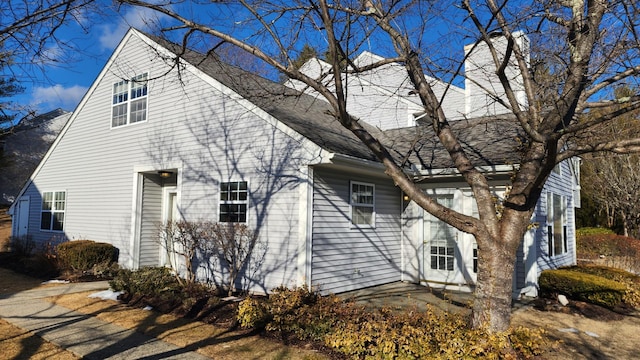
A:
(22, 246)
(85, 255)
(149, 281)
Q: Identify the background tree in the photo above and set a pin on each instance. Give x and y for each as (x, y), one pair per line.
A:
(589, 46)
(8, 87)
(612, 182)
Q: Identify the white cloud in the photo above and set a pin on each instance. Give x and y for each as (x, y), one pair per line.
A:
(57, 96)
(137, 17)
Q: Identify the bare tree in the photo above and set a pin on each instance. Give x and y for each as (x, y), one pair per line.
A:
(188, 239)
(585, 46)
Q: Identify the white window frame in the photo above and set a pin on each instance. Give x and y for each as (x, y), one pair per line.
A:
(354, 205)
(125, 95)
(239, 201)
(57, 207)
(553, 221)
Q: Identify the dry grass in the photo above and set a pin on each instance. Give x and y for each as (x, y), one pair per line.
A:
(203, 338)
(17, 343)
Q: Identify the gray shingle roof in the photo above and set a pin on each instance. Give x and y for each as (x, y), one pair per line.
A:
(484, 139)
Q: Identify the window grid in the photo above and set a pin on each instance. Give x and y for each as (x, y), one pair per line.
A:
(233, 201)
(129, 103)
(53, 210)
(362, 204)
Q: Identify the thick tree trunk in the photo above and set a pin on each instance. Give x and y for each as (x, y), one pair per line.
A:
(492, 303)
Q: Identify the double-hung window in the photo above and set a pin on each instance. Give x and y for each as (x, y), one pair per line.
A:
(129, 102)
(362, 204)
(233, 201)
(53, 208)
(556, 224)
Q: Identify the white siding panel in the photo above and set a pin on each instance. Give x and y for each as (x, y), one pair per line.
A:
(346, 258)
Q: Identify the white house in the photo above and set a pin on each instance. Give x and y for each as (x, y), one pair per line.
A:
(148, 144)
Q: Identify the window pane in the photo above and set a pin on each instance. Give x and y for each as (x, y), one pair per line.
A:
(138, 110)
(120, 92)
(58, 221)
(45, 221)
(60, 200)
(119, 115)
(139, 86)
(47, 200)
(557, 224)
(362, 215)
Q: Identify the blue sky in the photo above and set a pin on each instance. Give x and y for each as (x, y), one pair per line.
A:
(62, 83)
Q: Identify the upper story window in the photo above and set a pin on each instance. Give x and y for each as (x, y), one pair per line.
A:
(129, 103)
(362, 204)
(53, 208)
(233, 201)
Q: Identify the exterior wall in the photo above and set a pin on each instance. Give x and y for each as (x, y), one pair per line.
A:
(560, 184)
(482, 85)
(194, 128)
(381, 97)
(344, 257)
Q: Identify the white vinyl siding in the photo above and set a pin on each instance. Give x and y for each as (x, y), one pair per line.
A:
(345, 259)
(129, 104)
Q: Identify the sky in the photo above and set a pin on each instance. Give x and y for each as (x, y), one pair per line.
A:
(63, 83)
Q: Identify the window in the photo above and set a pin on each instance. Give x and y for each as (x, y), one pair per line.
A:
(53, 207)
(129, 103)
(556, 224)
(443, 238)
(233, 201)
(362, 204)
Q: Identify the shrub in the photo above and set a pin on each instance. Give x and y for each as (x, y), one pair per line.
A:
(631, 281)
(582, 286)
(149, 281)
(596, 245)
(23, 246)
(84, 255)
(383, 334)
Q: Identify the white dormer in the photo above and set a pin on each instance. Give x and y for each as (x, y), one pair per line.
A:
(482, 85)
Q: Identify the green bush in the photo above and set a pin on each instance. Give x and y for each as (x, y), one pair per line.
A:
(631, 281)
(383, 334)
(582, 286)
(85, 255)
(148, 281)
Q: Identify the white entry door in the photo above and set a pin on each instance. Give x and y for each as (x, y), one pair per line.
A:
(22, 225)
